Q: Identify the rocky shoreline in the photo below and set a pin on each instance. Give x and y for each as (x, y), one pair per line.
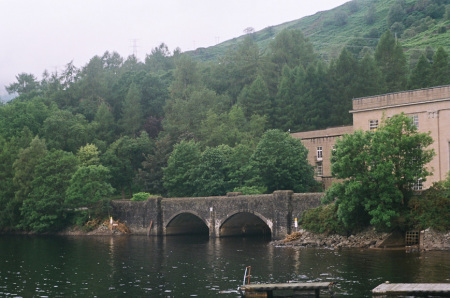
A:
(370, 239)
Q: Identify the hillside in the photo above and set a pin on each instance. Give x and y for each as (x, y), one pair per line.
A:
(358, 24)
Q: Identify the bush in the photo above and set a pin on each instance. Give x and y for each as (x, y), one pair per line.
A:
(432, 208)
(251, 190)
(323, 219)
(141, 196)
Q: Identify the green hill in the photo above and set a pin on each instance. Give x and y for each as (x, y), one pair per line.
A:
(359, 24)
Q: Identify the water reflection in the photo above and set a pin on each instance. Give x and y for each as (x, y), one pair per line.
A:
(181, 266)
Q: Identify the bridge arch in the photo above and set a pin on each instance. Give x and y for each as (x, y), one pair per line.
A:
(186, 222)
(244, 223)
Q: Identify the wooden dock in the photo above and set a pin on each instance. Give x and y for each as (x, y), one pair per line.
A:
(274, 290)
(424, 289)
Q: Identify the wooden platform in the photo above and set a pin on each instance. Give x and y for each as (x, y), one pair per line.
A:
(435, 289)
(268, 289)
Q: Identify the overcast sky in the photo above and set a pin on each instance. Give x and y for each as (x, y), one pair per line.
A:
(47, 34)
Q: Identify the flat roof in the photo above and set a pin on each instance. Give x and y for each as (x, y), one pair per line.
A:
(328, 132)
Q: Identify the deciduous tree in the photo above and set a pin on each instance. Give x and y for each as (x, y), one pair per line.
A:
(379, 169)
(281, 163)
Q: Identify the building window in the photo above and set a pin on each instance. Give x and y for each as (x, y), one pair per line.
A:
(418, 185)
(373, 125)
(319, 153)
(415, 119)
(319, 169)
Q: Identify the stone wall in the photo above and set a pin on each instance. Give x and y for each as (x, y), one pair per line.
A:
(276, 210)
(433, 240)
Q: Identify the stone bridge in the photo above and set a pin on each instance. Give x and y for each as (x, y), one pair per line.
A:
(231, 215)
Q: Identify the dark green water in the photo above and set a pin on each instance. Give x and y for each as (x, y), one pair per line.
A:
(186, 266)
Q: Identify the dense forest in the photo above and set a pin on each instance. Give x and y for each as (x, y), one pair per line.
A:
(175, 126)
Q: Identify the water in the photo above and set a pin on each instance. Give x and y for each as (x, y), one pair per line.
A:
(187, 266)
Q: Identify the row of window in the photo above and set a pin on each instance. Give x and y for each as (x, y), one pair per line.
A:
(373, 124)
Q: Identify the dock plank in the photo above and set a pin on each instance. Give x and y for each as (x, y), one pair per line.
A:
(412, 288)
(288, 286)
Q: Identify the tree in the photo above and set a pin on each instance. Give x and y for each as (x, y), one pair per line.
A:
(213, 172)
(184, 116)
(291, 48)
(8, 154)
(88, 155)
(254, 99)
(281, 163)
(343, 80)
(371, 15)
(123, 158)
(396, 13)
(45, 209)
(370, 81)
(88, 185)
(441, 68)
(24, 173)
(150, 175)
(421, 74)
(25, 84)
(160, 59)
(379, 169)
(186, 77)
(392, 62)
(106, 125)
(132, 116)
(179, 175)
(65, 131)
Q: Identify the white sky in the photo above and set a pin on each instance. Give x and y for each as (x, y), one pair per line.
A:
(47, 34)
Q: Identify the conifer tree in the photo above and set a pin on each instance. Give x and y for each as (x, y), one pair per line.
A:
(441, 68)
(254, 99)
(421, 74)
(132, 116)
(392, 62)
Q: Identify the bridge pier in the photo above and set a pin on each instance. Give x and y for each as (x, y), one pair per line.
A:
(219, 216)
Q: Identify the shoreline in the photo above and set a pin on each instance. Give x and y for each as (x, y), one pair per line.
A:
(367, 239)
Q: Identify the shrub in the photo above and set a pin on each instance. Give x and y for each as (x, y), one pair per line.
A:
(141, 196)
(323, 219)
(251, 190)
(432, 208)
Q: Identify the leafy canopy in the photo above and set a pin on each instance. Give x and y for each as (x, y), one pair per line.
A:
(379, 169)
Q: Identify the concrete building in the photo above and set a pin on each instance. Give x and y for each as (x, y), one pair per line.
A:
(429, 108)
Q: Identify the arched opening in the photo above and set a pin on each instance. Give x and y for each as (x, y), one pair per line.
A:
(186, 223)
(244, 224)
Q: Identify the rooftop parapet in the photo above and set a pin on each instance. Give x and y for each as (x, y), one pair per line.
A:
(439, 93)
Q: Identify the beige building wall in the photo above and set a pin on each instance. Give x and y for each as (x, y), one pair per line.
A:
(320, 144)
(429, 107)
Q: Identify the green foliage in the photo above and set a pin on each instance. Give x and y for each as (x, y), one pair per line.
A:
(392, 62)
(440, 69)
(126, 115)
(281, 163)
(421, 74)
(132, 117)
(431, 208)
(213, 172)
(323, 219)
(88, 155)
(45, 209)
(150, 175)
(251, 190)
(141, 196)
(179, 175)
(88, 185)
(25, 83)
(24, 172)
(379, 169)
